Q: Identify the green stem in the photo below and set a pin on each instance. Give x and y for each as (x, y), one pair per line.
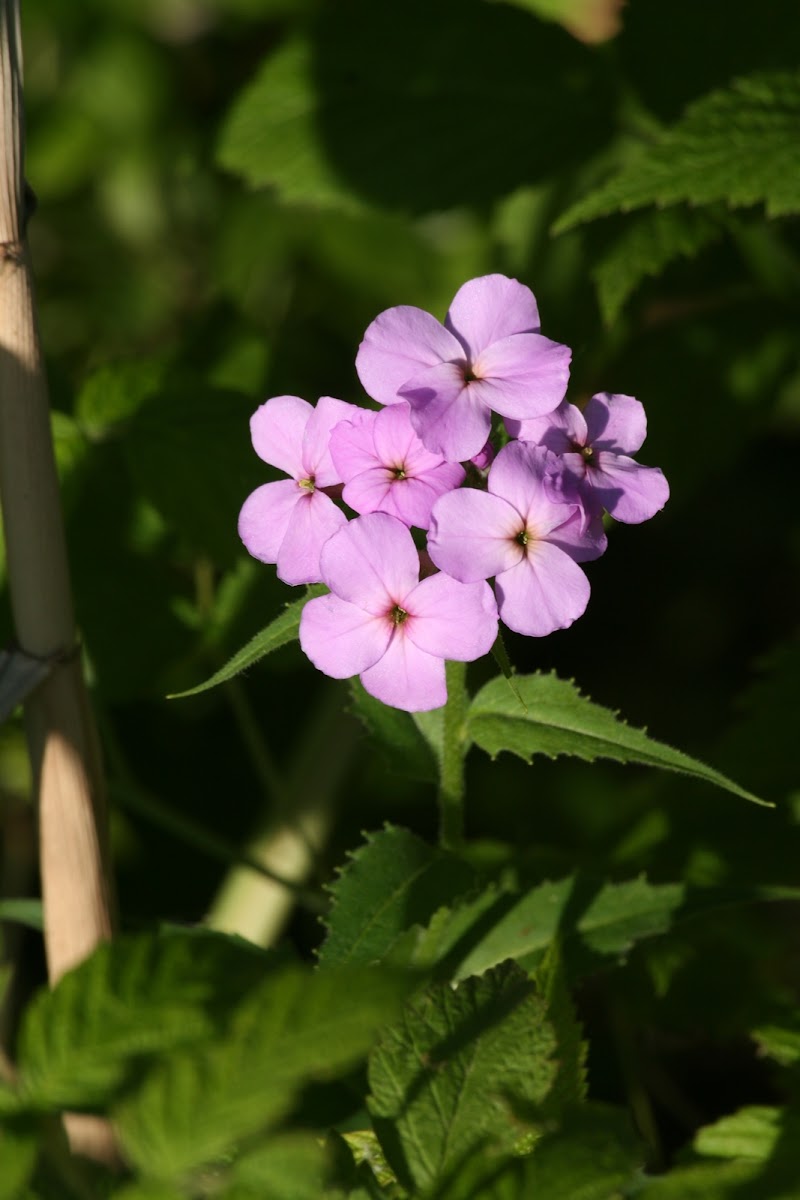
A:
(451, 760)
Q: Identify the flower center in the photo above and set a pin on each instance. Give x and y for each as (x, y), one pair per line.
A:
(398, 614)
(399, 472)
(307, 484)
(586, 453)
(522, 537)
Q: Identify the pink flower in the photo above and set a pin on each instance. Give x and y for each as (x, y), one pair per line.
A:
(382, 623)
(386, 468)
(488, 356)
(288, 522)
(517, 533)
(595, 447)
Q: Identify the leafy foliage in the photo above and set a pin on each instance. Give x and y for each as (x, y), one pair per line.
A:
(446, 1079)
(737, 145)
(280, 632)
(554, 719)
(392, 882)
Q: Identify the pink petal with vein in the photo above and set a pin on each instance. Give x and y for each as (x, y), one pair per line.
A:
(451, 619)
(397, 345)
(406, 677)
(487, 309)
(545, 592)
(372, 562)
(342, 639)
(265, 515)
(314, 519)
(277, 429)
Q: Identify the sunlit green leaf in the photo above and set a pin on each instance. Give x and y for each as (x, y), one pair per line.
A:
(557, 719)
(280, 632)
(739, 146)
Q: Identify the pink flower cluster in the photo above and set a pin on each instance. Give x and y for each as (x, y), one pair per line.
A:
(526, 516)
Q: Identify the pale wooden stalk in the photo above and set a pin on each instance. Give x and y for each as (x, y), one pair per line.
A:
(60, 730)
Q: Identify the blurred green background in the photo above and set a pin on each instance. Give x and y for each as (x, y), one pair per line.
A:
(228, 192)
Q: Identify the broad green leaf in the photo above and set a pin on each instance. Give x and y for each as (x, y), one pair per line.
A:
(19, 1145)
(396, 733)
(739, 146)
(394, 881)
(780, 1041)
(334, 118)
(189, 453)
(591, 920)
(24, 911)
(558, 720)
(569, 1085)
(443, 1079)
(132, 1000)
(648, 243)
(295, 1028)
(751, 1132)
(591, 21)
(592, 1156)
(111, 396)
(712, 1181)
(280, 632)
(290, 1166)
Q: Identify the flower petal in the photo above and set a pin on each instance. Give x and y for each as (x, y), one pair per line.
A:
(546, 591)
(277, 429)
(369, 491)
(398, 344)
(265, 515)
(630, 492)
(472, 535)
(342, 639)
(582, 537)
(523, 376)
(560, 431)
(352, 445)
(317, 461)
(406, 677)
(487, 309)
(373, 563)
(451, 619)
(447, 413)
(314, 519)
(615, 422)
(394, 435)
(519, 475)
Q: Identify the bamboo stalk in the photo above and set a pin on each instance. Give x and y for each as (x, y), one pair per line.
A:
(59, 725)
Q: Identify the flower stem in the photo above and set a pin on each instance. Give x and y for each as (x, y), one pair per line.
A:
(451, 760)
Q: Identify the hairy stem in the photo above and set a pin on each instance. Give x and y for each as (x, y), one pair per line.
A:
(451, 760)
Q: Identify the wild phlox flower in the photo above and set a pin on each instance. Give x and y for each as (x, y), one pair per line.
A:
(382, 623)
(386, 468)
(487, 357)
(516, 532)
(594, 448)
(289, 521)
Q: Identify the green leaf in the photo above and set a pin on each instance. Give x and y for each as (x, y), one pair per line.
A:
(394, 881)
(559, 720)
(133, 999)
(334, 118)
(113, 394)
(647, 244)
(396, 733)
(444, 1079)
(751, 1132)
(188, 452)
(19, 1145)
(591, 920)
(280, 632)
(780, 1041)
(291, 1166)
(24, 911)
(569, 1086)
(590, 20)
(712, 1181)
(297, 1027)
(591, 1157)
(739, 145)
